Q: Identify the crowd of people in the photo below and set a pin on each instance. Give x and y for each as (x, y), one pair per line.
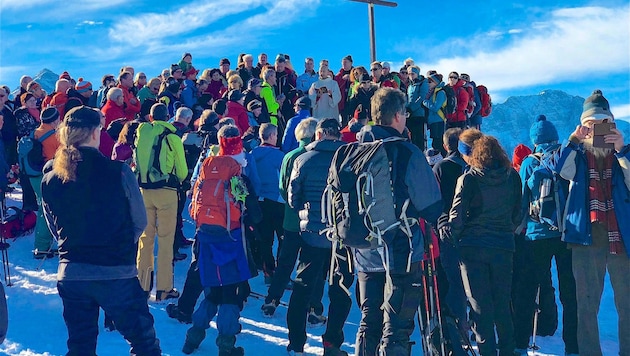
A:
(259, 153)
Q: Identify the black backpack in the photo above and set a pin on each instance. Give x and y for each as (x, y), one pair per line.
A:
(451, 101)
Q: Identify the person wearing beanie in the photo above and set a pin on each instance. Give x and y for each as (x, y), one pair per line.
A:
(186, 62)
(176, 72)
(237, 110)
(416, 123)
(254, 109)
(254, 87)
(388, 75)
(535, 249)
(36, 89)
(343, 81)
(302, 111)
(521, 151)
(82, 91)
(597, 227)
(434, 103)
(97, 250)
(362, 96)
(45, 134)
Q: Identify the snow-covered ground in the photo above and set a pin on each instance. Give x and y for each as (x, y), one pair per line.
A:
(36, 325)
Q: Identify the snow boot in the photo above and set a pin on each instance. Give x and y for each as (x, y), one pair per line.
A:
(314, 320)
(268, 309)
(225, 343)
(173, 312)
(194, 337)
(331, 350)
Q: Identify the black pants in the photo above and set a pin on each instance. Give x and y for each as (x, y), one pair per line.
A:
(273, 215)
(125, 303)
(388, 328)
(312, 261)
(192, 287)
(291, 246)
(487, 277)
(538, 255)
(460, 124)
(417, 127)
(437, 137)
(179, 234)
(29, 199)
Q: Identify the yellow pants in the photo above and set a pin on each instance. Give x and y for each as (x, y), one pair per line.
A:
(161, 206)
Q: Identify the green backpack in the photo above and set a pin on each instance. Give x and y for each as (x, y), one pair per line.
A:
(149, 152)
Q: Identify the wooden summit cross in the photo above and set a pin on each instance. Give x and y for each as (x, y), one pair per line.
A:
(371, 4)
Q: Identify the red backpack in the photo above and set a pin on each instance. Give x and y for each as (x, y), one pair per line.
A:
(213, 202)
(486, 101)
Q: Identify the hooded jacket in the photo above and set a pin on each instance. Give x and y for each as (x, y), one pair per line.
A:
(291, 220)
(308, 181)
(462, 103)
(434, 105)
(268, 163)
(289, 142)
(486, 208)
(417, 92)
(239, 114)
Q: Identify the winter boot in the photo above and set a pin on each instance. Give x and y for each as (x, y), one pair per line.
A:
(331, 350)
(314, 320)
(194, 337)
(268, 309)
(225, 343)
(163, 295)
(173, 312)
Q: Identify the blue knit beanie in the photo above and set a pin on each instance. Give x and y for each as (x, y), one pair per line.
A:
(543, 131)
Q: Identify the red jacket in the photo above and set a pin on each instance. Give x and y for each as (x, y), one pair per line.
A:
(59, 101)
(344, 87)
(462, 103)
(239, 114)
(112, 112)
(130, 109)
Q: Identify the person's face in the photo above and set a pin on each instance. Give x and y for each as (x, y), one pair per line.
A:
(280, 66)
(403, 75)
(120, 100)
(225, 68)
(155, 88)
(452, 79)
(87, 94)
(257, 89)
(365, 85)
(249, 62)
(216, 76)
(142, 79)
(178, 74)
(3, 97)
(203, 87)
(192, 76)
(376, 71)
(128, 81)
(165, 73)
(272, 79)
(323, 72)
(262, 59)
(346, 64)
(432, 84)
(385, 71)
(31, 103)
(39, 92)
(25, 82)
(412, 75)
(257, 112)
(188, 59)
(309, 65)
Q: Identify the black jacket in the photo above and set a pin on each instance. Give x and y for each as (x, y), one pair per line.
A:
(486, 208)
(308, 181)
(447, 171)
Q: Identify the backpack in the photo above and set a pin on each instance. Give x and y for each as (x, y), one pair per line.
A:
(149, 143)
(546, 199)
(358, 204)
(17, 223)
(486, 101)
(450, 105)
(470, 108)
(30, 153)
(218, 194)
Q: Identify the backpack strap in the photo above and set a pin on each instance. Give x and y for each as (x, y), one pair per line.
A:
(46, 135)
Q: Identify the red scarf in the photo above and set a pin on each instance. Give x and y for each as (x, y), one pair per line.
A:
(602, 209)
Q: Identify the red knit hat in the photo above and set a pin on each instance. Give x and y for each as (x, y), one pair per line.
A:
(520, 152)
(229, 146)
(83, 85)
(65, 75)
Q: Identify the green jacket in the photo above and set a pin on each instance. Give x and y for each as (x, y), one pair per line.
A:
(145, 93)
(291, 220)
(269, 96)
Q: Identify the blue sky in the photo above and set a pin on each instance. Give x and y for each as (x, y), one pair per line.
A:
(514, 48)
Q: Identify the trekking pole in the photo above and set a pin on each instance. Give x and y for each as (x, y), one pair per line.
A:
(437, 299)
(425, 327)
(533, 346)
(5, 247)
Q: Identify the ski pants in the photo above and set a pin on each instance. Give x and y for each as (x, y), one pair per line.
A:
(43, 237)
(487, 277)
(124, 302)
(590, 264)
(161, 207)
(273, 215)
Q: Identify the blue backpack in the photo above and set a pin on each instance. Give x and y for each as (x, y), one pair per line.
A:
(30, 154)
(546, 198)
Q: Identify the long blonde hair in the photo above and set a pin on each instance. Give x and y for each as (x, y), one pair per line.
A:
(72, 134)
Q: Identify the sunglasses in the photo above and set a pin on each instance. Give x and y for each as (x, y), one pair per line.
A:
(453, 78)
(142, 77)
(374, 69)
(155, 89)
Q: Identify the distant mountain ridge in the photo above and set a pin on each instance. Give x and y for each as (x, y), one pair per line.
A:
(46, 78)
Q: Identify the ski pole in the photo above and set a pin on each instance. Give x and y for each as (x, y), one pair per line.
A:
(533, 346)
(437, 299)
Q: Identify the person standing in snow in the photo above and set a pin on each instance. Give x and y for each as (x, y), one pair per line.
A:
(94, 208)
(597, 227)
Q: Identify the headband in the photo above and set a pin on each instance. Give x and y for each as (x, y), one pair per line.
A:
(464, 149)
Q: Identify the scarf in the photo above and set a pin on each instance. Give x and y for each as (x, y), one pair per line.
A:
(602, 209)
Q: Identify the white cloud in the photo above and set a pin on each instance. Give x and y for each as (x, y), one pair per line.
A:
(621, 112)
(89, 23)
(573, 44)
(515, 31)
(43, 5)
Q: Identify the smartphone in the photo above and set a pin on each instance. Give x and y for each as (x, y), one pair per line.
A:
(600, 131)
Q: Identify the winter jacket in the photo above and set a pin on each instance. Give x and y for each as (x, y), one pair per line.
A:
(144, 94)
(239, 114)
(572, 166)
(434, 105)
(344, 88)
(462, 103)
(246, 75)
(264, 113)
(106, 146)
(305, 80)
(171, 101)
(291, 220)
(131, 109)
(475, 117)
(349, 133)
(72, 93)
(486, 208)
(268, 163)
(222, 258)
(308, 180)
(59, 101)
(416, 93)
(112, 112)
(414, 181)
(536, 230)
(447, 171)
(122, 152)
(269, 97)
(189, 94)
(289, 142)
(26, 123)
(50, 144)
(97, 219)
(362, 97)
(214, 88)
(325, 105)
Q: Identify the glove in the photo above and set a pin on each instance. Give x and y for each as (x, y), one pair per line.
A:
(446, 235)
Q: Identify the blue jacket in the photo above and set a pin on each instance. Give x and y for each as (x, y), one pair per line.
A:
(189, 94)
(305, 80)
(222, 258)
(573, 167)
(434, 104)
(416, 93)
(536, 230)
(415, 180)
(289, 142)
(268, 162)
